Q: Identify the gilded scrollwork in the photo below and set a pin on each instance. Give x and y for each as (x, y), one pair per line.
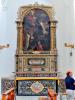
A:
(50, 55)
(24, 10)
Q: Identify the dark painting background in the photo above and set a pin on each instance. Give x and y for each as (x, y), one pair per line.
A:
(36, 31)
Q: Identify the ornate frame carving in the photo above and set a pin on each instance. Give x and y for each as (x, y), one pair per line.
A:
(50, 56)
(23, 11)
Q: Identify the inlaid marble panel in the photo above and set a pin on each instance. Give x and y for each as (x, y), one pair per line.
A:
(62, 87)
(6, 84)
(35, 87)
(29, 74)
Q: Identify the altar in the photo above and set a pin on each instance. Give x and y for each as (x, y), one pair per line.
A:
(37, 86)
(36, 53)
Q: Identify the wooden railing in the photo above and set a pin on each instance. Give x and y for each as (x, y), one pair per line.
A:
(52, 94)
(8, 95)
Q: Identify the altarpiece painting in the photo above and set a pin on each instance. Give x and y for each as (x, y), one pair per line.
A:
(36, 31)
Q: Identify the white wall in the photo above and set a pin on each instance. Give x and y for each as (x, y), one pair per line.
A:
(64, 13)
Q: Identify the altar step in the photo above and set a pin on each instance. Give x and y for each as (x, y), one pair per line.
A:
(63, 97)
(10, 95)
(37, 98)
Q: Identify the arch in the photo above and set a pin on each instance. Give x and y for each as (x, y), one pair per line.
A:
(24, 10)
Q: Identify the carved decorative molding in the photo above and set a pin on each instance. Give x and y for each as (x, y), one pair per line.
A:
(24, 10)
(22, 53)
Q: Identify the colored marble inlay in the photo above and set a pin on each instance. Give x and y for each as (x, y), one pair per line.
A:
(30, 88)
(62, 87)
(6, 84)
(25, 74)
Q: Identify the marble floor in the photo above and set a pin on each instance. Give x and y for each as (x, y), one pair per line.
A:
(37, 98)
(27, 97)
